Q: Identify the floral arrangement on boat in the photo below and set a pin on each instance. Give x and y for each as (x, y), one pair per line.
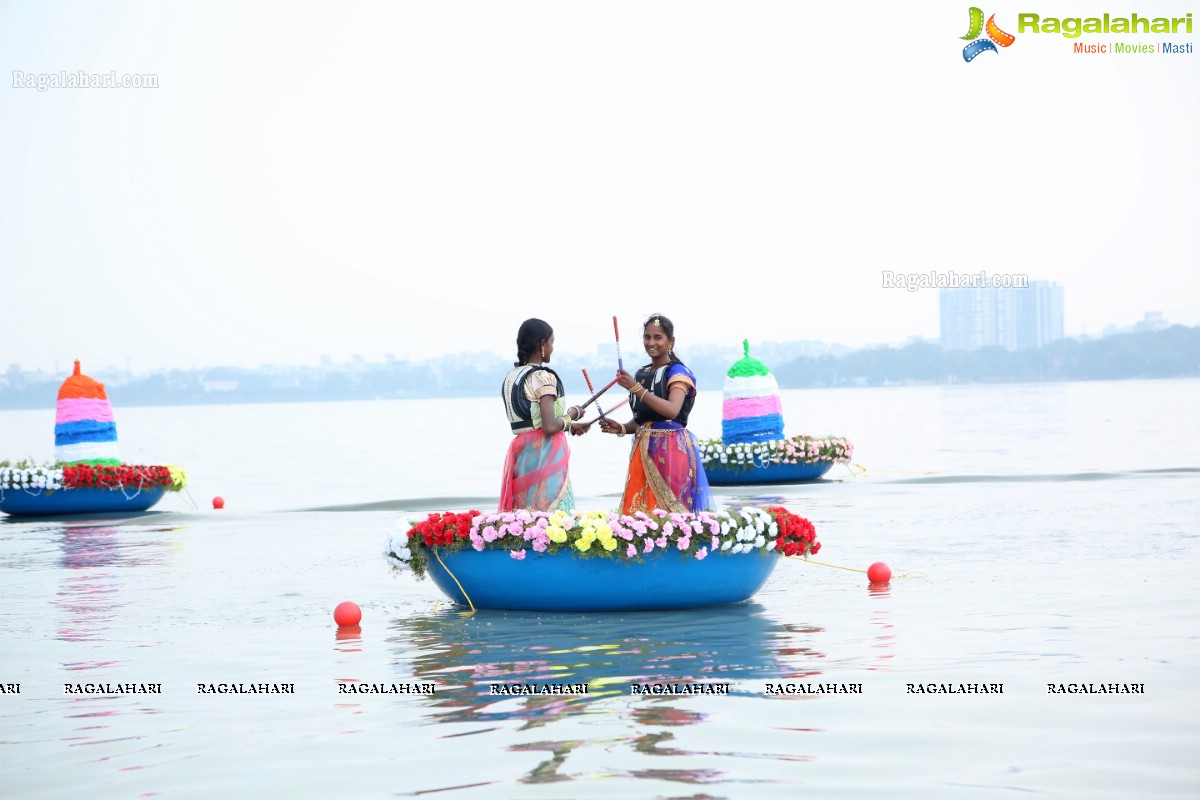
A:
(752, 447)
(88, 475)
(796, 450)
(600, 560)
(23, 477)
(601, 534)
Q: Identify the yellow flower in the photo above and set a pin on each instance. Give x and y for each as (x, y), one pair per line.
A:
(583, 544)
(609, 544)
(556, 534)
(178, 477)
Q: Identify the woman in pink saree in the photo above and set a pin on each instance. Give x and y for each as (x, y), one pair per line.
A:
(536, 467)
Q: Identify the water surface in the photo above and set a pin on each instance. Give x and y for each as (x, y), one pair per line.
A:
(1048, 534)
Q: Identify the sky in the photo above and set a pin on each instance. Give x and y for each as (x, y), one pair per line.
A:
(416, 179)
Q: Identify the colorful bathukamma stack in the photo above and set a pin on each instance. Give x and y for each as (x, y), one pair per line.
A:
(84, 430)
(752, 412)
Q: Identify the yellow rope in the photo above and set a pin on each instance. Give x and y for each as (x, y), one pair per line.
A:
(853, 569)
(460, 587)
(823, 564)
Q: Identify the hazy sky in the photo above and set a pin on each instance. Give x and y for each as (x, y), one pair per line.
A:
(417, 178)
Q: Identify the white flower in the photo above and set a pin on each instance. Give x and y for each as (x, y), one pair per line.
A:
(728, 543)
(759, 541)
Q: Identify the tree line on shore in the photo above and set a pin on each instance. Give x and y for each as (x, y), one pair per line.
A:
(1170, 353)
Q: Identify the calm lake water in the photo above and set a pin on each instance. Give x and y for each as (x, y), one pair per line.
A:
(1048, 533)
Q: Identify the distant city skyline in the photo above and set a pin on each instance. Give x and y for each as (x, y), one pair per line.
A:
(602, 352)
(1029, 317)
(414, 179)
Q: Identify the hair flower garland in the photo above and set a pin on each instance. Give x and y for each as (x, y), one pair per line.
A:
(796, 450)
(600, 534)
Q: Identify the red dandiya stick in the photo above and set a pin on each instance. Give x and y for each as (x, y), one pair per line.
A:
(624, 402)
(617, 333)
(592, 399)
(592, 389)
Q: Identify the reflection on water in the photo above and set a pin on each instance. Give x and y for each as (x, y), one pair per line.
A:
(89, 601)
(608, 652)
(89, 592)
(885, 638)
(742, 645)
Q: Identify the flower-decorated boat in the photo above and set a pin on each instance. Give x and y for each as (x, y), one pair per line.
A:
(752, 448)
(600, 561)
(88, 477)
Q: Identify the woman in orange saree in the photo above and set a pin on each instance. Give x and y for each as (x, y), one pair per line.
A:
(665, 470)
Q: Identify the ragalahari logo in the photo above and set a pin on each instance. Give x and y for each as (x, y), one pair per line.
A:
(995, 36)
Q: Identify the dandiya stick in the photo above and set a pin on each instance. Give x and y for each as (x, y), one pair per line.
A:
(592, 389)
(624, 402)
(617, 333)
(592, 399)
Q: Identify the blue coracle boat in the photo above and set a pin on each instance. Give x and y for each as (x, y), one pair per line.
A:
(78, 501)
(721, 475)
(565, 582)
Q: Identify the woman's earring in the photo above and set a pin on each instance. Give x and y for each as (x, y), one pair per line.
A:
(543, 352)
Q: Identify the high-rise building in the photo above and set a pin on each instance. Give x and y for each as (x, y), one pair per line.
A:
(1013, 318)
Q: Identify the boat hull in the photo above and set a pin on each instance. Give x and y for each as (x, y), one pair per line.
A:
(721, 475)
(566, 582)
(20, 503)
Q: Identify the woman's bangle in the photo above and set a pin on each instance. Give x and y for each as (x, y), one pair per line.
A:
(621, 431)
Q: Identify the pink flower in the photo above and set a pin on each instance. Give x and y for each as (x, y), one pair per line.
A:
(630, 551)
(661, 542)
(715, 543)
(649, 545)
(701, 553)
(517, 554)
(539, 545)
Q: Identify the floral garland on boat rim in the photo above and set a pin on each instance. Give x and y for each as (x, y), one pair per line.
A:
(89, 476)
(600, 534)
(795, 450)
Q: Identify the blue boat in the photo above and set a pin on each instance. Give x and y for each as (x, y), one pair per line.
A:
(722, 475)
(752, 448)
(566, 582)
(23, 503)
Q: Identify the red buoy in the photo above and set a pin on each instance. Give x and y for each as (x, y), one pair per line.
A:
(218, 502)
(347, 614)
(879, 572)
